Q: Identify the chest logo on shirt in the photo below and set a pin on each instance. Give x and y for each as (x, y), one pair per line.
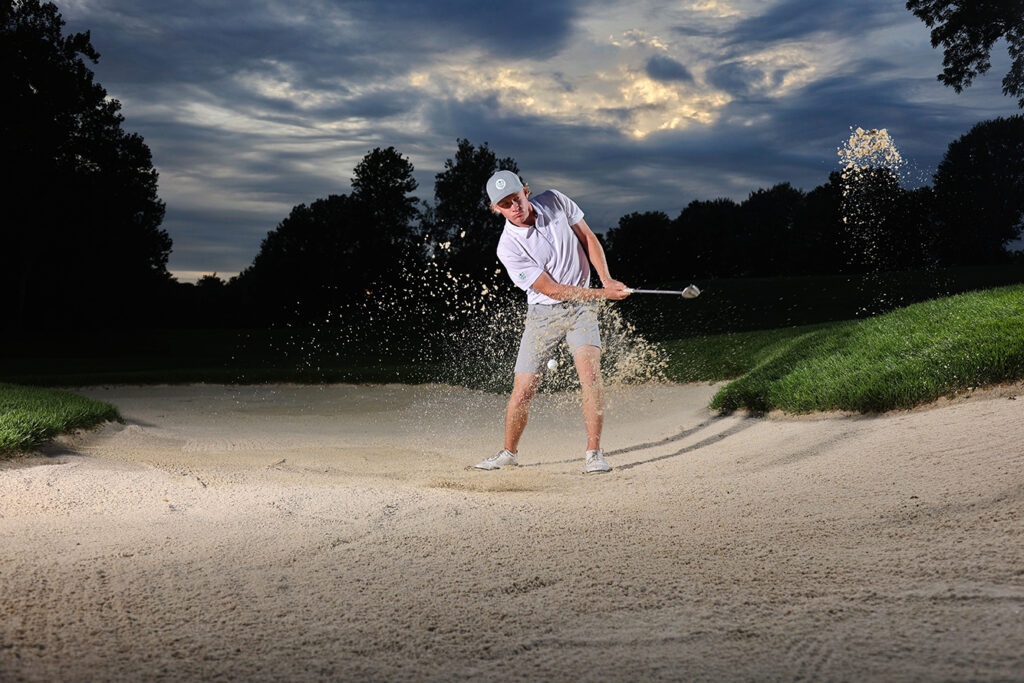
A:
(522, 276)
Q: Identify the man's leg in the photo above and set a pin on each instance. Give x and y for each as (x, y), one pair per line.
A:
(524, 387)
(588, 365)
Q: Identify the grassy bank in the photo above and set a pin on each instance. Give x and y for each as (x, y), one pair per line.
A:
(712, 358)
(897, 360)
(29, 415)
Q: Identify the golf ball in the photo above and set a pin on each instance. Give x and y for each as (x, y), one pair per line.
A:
(552, 364)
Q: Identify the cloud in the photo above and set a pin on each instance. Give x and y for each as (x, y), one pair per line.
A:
(537, 28)
(735, 78)
(800, 19)
(667, 69)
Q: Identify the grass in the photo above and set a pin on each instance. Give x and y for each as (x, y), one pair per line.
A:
(898, 360)
(30, 416)
(712, 358)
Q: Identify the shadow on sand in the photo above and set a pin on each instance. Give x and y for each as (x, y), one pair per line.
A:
(705, 426)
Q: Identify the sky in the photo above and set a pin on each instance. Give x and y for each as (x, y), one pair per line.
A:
(251, 108)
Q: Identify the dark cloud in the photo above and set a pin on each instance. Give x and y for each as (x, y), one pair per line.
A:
(735, 78)
(667, 69)
(196, 41)
(185, 41)
(796, 19)
(694, 31)
(527, 28)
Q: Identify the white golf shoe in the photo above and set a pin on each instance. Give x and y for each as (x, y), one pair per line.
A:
(596, 463)
(498, 460)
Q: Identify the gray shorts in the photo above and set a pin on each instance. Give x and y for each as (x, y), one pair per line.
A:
(547, 325)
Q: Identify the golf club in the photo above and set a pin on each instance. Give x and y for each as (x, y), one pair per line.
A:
(691, 292)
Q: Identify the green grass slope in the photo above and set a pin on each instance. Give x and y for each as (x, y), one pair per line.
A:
(897, 360)
(29, 415)
(712, 358)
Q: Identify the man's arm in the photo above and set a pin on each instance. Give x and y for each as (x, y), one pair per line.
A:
(595, 252)
(613, 289)
(546, 285)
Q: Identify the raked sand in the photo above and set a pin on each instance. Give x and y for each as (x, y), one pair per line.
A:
(305, 533)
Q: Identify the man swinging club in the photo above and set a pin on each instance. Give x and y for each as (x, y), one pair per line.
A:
(547, 249)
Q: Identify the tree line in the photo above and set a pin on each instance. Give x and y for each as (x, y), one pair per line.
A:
(860, 221)
(334, 251)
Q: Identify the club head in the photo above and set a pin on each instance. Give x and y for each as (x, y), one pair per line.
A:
(691, 292)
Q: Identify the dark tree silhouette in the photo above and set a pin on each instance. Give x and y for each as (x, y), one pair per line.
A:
(310, 259)
(82, 216)
(381, 182)
(210, 282)
(870, 215)
(461, 216)
(710, 233)
(329, 255)
(768, 217)
(643, 249)
(819, 236)
(979, 193)
(913, 241)
(967, 31)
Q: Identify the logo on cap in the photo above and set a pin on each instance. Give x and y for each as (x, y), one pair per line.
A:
(500, 183)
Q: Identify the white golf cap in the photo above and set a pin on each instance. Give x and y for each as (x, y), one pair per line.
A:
(502, 184)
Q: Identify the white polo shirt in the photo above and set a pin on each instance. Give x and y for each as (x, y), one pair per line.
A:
(548, 246)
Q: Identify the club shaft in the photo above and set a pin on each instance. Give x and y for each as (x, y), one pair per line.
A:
(655, 291)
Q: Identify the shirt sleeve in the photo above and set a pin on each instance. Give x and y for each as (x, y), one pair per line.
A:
(523, 270)
(573, 213)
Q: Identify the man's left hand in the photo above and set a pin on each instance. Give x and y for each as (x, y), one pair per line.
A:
(615, 289)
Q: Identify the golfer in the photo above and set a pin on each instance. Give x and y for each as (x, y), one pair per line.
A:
(547, 249)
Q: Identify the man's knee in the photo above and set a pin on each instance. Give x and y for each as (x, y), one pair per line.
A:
(524, 387)
(588, 364)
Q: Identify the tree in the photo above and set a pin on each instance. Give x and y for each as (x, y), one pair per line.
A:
(313, 261)
(967, 31)
(711, 232)
(979, 192)
(871, 217)
(82, 213)
(818, 242)
(382, 181)
(644, 249)
(462, 217)
(768, 217)
(329, 255)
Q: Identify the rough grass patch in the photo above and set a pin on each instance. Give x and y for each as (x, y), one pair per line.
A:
(29, 416)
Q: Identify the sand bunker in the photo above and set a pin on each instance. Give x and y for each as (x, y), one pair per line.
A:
(335, 532)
